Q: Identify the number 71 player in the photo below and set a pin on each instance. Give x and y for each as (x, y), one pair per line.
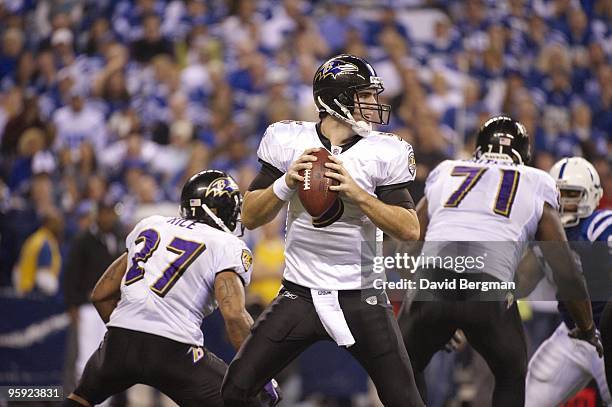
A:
(175, 273)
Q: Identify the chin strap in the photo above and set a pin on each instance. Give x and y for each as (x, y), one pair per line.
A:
(360, 127)
(215, 218)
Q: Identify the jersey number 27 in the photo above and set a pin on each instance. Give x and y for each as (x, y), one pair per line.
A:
(506, 191)
(186, 250)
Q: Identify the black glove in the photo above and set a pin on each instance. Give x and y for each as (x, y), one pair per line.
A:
(591, 336)
(456, 342)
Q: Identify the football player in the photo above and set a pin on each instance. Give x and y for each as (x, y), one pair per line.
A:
(153, 299)
(321, 296)
(494, 197)
(563, 365)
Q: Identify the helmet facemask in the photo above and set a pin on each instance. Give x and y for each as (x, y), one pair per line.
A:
(579, 189)
(573, 204)
(345, 105)
(381, 112)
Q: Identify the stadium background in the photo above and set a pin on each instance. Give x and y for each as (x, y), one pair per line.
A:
(106, 107)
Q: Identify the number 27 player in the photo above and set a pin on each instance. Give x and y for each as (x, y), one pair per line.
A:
(175, 273)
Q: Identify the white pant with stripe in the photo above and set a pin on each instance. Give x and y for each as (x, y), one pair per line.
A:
(560, 368)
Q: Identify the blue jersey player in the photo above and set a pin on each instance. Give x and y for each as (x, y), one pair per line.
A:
(563, 365)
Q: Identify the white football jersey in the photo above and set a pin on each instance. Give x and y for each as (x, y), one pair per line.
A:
(330, 257)
(169, 285)
(487, 201)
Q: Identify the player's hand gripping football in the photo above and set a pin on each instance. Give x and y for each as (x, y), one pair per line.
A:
(347, 187)
(591, 336)
(304, 162)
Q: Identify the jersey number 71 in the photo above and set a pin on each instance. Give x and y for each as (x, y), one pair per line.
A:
(506, 191)
(186, 250)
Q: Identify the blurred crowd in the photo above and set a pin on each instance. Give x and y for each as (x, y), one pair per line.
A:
(108, 106)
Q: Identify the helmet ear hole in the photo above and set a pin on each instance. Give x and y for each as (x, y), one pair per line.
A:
(347, 99)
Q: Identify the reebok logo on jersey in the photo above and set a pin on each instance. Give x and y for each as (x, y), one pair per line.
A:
(323, 292)
(289, 295)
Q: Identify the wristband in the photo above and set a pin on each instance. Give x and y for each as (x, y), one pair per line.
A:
(282, 190)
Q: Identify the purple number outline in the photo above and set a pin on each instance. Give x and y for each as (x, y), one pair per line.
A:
(188, 251)
(473, 175)
(136, 271)
(506, 192)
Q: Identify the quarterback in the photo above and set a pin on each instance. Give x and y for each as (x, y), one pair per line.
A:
(322, 297)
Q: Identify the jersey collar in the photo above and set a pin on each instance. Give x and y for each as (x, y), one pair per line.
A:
(327, 144)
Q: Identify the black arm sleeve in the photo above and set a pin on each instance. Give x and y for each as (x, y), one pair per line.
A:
(266, 176)
(396, 194)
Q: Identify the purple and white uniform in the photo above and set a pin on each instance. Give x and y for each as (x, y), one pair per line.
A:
(169, 285)
(488, 201)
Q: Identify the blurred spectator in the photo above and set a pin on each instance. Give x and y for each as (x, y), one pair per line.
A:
(268, 271)
(62, 42)
(336, 23)
(170, 159)
(442, 98)
(91, 252)
(152, 43)
(445, 41)
(129, 15)
(12, 45)
(463, 118)
(29, 117)
(99, 34)
(582, 139)
(78, 122)
(284, 20)
(11, 105)
(40, 262)
(386, 21)
(31, 143)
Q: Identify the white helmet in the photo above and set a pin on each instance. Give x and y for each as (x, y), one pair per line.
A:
(580, 181)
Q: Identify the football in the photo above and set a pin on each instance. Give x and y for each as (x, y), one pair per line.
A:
(314, 192)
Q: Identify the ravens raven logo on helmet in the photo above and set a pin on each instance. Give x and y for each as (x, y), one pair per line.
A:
(334, 68)
(220, 187)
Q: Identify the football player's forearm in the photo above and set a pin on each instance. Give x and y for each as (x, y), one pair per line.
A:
(398, 222)
(528, 274)
(571, 288)
(109, 285)
(229, 293)
(238, 328)
(105, 308)
(260, 207)
(581, 313)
